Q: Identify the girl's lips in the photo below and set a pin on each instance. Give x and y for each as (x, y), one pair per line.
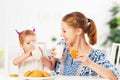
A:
(65, 39)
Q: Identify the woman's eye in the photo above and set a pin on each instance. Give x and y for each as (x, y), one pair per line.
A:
(64, 31)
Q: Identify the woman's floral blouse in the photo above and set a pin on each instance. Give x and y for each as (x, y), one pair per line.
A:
(70, 68)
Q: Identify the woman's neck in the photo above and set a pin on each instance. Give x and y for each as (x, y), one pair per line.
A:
(82, 45)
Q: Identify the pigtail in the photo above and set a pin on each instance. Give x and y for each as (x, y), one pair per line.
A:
(92, 32)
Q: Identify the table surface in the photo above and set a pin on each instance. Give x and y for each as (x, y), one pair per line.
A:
(4, 76)
(52, 78)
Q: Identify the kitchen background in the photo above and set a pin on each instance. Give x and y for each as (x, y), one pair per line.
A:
(45, 16)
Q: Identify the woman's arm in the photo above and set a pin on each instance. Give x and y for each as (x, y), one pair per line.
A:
(103, 72)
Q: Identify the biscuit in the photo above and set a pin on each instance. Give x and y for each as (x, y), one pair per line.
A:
(46, 74)
(73, 53)
(36, 73)
(26, 74)
(13, 75)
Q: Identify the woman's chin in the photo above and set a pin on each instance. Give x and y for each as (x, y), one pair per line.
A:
(68, 43)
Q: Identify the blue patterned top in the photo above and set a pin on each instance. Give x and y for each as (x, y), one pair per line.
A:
(71, 67)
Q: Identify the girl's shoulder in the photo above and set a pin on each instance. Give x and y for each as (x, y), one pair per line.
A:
(20, 52)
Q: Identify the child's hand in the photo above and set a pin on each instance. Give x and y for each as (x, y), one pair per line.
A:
(41, 50)
(29, 51)
(37, 53)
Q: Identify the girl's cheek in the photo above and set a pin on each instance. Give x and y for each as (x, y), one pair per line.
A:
(28, 47)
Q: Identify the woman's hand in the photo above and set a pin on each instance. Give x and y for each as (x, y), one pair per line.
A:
(53, 53)
(83, 58)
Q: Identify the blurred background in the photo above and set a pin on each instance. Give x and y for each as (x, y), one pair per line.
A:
(45, 16)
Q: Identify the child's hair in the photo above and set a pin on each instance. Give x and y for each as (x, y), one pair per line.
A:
(25, 33)
(79, 20)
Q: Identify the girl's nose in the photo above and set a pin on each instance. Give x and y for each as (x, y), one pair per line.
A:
(61, 35)
(33, 44)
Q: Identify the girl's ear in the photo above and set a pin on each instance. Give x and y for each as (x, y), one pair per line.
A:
(21, 45)
(78, 31)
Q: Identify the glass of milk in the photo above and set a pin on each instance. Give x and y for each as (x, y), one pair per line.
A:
(59, 51)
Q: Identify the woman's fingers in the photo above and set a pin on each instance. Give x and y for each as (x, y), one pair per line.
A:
(53, 53)
(83, 58)
(53, 49)
(79, 55)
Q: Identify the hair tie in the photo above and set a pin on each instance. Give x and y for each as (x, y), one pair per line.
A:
(89, 24)
(87, 28)
(88, 20)
(18, 32)
(33, 29)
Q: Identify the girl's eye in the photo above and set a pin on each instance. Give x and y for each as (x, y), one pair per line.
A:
(28, 43)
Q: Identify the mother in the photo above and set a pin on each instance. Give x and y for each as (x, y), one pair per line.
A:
(88, 61)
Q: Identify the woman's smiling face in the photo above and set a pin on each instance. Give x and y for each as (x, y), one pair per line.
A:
(68, 33)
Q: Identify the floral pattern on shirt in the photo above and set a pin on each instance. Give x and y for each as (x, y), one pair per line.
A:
(71, 67)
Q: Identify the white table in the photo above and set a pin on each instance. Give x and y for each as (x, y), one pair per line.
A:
(78, 78)
(53, 78)
(4, 76)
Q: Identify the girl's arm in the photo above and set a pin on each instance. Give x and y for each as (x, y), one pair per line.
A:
(21, 58)
(27, 53)
(50, 63)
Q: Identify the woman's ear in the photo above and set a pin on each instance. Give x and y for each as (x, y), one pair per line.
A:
(78, 31)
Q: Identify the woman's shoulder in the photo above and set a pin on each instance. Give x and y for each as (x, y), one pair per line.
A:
(97, 54)
(61, 41)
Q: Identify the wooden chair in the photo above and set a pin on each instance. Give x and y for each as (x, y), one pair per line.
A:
(115, 54)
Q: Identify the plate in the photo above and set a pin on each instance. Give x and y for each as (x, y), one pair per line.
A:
(39, 78)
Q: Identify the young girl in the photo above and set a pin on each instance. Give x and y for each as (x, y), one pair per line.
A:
(26, 60)
(87, 61)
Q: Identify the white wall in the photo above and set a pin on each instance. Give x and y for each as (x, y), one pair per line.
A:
(45, 16)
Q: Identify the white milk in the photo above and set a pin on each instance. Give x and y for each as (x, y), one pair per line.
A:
(59, 51)
(36, 53)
